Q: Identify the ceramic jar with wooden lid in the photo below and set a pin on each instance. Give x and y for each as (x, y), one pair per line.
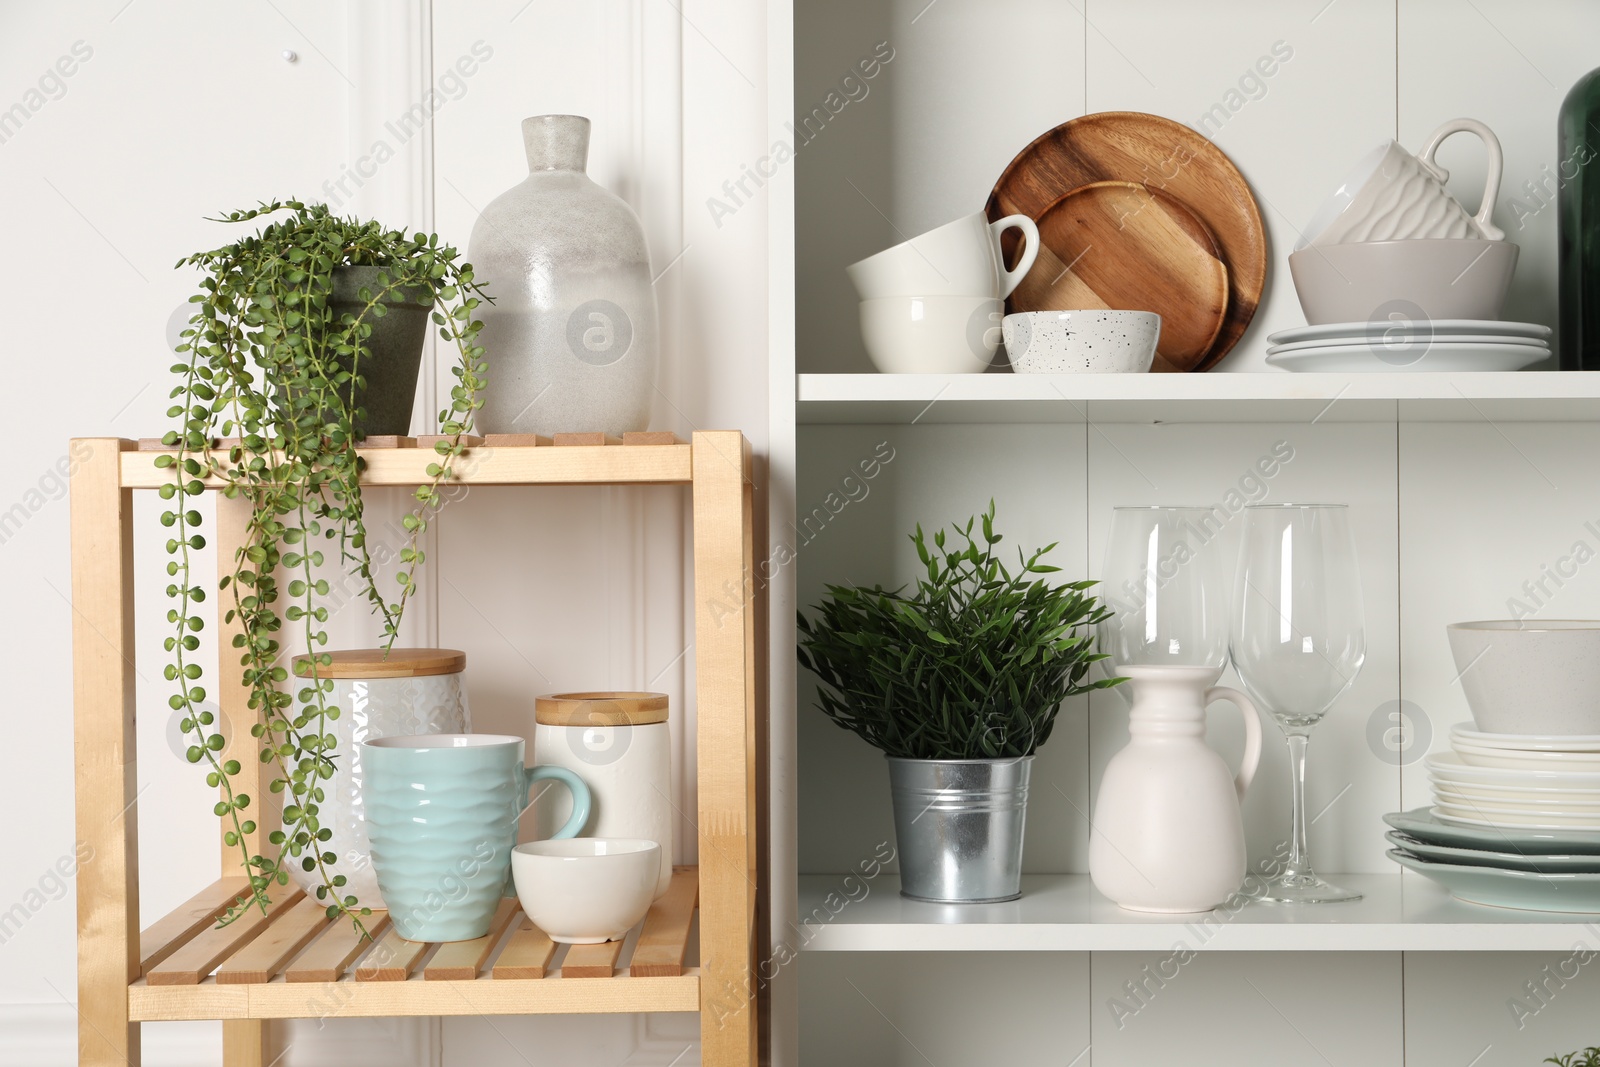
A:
(620, 744)
(406, 691)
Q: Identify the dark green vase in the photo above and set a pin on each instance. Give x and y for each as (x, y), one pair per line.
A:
(1579, 224)
(394, 351)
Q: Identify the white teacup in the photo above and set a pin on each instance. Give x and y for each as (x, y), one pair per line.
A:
(586, 890)
(932, 334)
(1392, 195)
(960, 258)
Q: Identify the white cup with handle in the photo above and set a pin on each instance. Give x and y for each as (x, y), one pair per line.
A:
(1392, 195)
(960, 258)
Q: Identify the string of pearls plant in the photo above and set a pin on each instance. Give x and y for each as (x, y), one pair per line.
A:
(275, 368)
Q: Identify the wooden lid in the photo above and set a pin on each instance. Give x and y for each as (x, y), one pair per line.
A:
(600, 709)
(372, 663)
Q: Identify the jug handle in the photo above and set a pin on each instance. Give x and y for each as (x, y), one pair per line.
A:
(1491, 189)
(1252, 732)
(1010, 279)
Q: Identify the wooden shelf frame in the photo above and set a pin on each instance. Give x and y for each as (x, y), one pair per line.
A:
(289, 966)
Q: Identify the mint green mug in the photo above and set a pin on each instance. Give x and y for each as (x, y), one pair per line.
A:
(442, 814)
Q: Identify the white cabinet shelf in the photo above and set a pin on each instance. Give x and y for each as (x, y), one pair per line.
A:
(1064, 913)
(1541, 396)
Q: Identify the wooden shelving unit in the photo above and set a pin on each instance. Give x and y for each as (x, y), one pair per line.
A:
(294, 963)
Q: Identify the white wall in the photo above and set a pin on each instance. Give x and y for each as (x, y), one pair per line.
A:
(182, 109)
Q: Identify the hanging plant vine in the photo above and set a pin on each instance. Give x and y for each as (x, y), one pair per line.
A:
(268, 406)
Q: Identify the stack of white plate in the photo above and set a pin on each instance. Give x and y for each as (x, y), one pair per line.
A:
(1491, 780)
(1442, 345)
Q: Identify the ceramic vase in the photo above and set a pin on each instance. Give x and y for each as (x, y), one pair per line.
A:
(571, 339)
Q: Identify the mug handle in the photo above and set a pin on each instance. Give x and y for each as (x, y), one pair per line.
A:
(1010, 279)
(1252, 732)
(1491, 189)
(574, 784)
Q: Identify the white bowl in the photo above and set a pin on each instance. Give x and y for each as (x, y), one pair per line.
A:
(1461, 734)
(1449, 767)
(1076, 342)
(1519, 793)
(932, 334)
(1513, 817)
(585, 890)
(1514, 802)
(1582, 762)
(1530, 677)
(1419, 280)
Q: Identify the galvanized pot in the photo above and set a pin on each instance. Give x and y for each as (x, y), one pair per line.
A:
(958, 825)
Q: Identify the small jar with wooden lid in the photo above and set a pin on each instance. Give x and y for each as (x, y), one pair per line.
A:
(620, 744)
(402, 692)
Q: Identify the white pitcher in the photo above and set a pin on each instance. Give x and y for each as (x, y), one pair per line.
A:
(1167, 833)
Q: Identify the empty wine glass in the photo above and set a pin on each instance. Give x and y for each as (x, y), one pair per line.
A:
(1299, 640)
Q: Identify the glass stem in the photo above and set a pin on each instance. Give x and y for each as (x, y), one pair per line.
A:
(1299, 863)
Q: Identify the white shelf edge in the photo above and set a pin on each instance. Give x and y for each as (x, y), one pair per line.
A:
(1063, 913)
(1262, 396)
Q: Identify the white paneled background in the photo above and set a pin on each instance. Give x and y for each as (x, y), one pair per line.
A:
(1452, 518)
(184, 109)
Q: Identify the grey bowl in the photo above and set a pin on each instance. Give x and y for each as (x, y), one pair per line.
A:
(1420, 280)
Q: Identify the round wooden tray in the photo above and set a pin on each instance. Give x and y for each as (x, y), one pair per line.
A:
(1123, 246)
(1166, 157)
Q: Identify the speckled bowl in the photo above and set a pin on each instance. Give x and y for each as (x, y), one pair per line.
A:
(1079, 342)
(1537, 676)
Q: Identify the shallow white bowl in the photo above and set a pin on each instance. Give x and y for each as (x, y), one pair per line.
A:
(585, 890)
(1530, 677)
(1462, 734)
(1581, 762)
(1512, 802)
(1518, 817)
(932, 334)
(1520, 793)
(1082, 342)
(1448, 766)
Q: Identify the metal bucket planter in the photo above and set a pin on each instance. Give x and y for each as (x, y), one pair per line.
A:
(958, 825)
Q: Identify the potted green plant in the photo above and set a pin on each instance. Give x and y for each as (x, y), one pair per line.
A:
(1591, 1058)
(958, 683)
(306, 337)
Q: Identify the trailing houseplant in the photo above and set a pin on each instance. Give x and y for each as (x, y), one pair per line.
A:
(958, 682)
(282, 354)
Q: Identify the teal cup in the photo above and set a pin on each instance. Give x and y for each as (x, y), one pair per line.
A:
(442, 814)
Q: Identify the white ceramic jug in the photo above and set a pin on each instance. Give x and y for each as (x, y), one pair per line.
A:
(1168, 836)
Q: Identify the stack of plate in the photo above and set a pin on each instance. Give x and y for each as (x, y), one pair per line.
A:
(1442, 345)
(1515, 823)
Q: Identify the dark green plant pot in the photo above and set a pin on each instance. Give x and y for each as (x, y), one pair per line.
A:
(394, 351)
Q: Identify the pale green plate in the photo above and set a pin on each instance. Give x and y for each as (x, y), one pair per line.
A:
(1501, 888)
(1520, 840)
(1538, 863)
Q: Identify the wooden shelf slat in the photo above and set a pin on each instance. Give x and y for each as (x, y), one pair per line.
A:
(664, 939)
(460, 961)
(173, 930)
(279, 1000)
(650, 437)
(392, 960)
(516, 440)
(264, 957)
(329, 955)
(569, 440)
(527, 955)
(201, 954)
(516, 465)
(591, 961)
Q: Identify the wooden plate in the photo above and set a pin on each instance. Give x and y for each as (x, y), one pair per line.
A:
(1122, 246)
(1165, 156)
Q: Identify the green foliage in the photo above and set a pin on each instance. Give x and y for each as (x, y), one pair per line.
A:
(973, 665)
(1591, 1058)
(272, 365)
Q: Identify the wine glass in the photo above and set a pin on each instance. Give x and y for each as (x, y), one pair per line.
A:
(1298, 642)
(1167, 582)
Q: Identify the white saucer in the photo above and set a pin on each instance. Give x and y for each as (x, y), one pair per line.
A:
(1399, 342)
(1527, 742)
